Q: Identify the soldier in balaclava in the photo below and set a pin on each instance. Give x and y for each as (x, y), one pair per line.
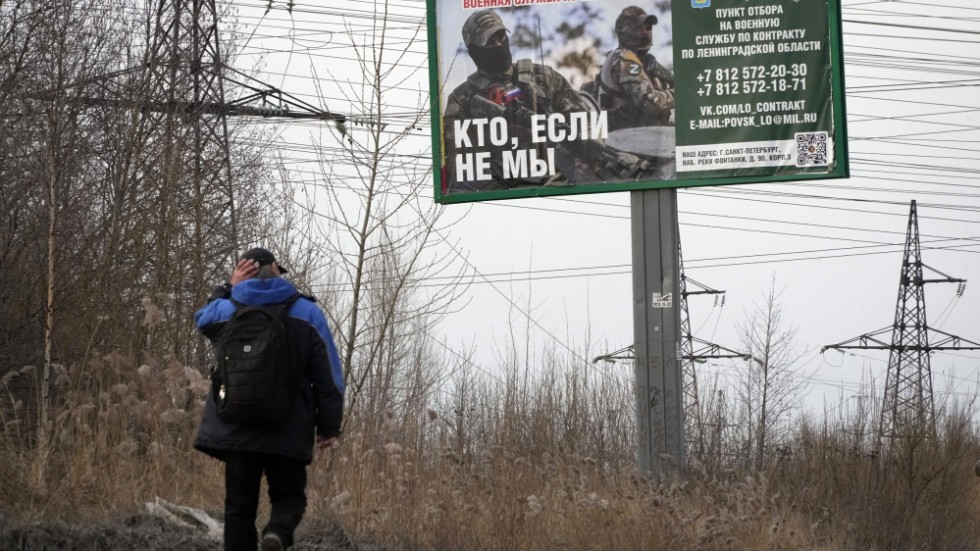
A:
(633, 87)
(534, 87)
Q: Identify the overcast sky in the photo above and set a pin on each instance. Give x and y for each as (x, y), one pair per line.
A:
(832, 247)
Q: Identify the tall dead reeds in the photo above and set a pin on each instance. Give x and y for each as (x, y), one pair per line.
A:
(505, 463)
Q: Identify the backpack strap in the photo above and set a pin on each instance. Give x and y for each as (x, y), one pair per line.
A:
(292, 300)
(287, 304)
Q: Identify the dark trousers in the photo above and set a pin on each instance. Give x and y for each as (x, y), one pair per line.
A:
(287, 493)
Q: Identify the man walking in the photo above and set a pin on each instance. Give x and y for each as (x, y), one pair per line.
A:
(282, 448)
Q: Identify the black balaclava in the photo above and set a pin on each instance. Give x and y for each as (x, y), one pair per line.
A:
(495, 59)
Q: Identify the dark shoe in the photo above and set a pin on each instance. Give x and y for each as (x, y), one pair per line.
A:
(272, 542)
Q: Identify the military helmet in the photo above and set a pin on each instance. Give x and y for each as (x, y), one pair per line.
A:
(480, 26)
(629, 28)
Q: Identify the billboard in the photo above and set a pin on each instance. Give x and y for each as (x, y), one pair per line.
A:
(535, 98)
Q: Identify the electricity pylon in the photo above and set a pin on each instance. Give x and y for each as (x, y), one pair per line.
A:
(179, 89)
(908, 400)
(185, 83)
(175, 96)
(183, 75)
(694, 423)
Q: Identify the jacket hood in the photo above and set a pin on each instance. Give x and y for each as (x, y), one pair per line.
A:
(272, 290)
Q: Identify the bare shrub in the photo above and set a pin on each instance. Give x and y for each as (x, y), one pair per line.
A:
(121, 434)
(917, 491)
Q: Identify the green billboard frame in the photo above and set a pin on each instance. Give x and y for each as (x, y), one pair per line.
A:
(838, 169)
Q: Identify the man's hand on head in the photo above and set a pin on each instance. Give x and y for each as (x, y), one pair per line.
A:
(245, 269)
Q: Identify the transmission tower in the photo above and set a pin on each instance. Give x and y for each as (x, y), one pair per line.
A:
(908, 400)
(180, 91)
(183, 76)
(694, 423)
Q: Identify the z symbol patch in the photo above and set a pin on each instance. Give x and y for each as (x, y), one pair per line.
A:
(633, 69)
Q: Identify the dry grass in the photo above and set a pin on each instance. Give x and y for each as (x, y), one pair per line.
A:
(121, 434)
(528, 464)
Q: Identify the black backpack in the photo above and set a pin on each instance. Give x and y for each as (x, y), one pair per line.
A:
(257, 374)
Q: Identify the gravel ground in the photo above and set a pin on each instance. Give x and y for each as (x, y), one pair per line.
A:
(140, 533)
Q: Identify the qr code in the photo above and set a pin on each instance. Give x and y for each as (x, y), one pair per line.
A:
(811, 149)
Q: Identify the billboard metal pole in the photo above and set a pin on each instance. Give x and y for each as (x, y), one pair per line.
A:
(657, 329)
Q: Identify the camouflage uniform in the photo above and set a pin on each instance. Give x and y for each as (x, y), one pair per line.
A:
(542, 90)
(632, 85)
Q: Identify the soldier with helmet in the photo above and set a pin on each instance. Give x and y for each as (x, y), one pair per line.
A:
(633, 87)
(536, 87)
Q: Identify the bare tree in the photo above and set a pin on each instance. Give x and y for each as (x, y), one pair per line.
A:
(381, 227)
(771, 388)
(52, 50)
(98, 221)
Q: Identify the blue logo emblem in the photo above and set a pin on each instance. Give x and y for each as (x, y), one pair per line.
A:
(700, 3)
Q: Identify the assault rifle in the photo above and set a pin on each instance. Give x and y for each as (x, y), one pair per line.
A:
(608, 163)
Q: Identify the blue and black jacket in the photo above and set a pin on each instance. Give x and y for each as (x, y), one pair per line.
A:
(318, 407)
